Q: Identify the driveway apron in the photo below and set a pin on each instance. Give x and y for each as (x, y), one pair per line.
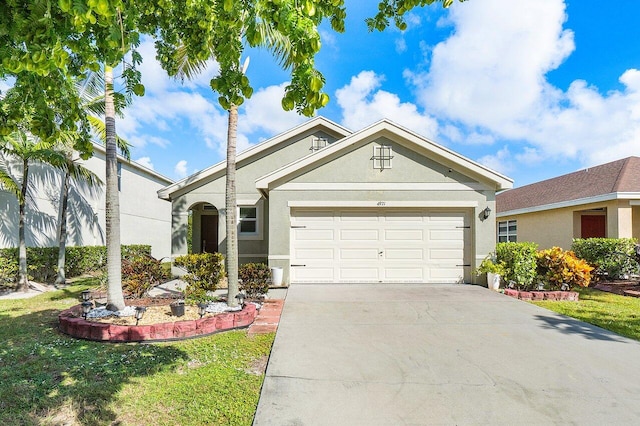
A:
(385, 354)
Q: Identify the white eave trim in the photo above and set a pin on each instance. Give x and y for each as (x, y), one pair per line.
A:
(501, 181)
(383, 186)
(254, 150)
(385, 204)
(633, 196)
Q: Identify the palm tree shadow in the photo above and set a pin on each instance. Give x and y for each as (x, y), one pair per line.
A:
(568, 325)
(45, 372)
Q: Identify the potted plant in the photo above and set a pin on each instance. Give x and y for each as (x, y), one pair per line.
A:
(493, 269)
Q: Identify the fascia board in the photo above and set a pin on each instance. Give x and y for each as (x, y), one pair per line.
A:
(252, 151)
(572, 203)
(391, 130)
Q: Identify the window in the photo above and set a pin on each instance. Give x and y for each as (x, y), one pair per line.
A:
(318, 143)
(382, 156)
(119, 176)
(507, 231)
(248, 221)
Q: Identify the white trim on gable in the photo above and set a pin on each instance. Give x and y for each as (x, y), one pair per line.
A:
(252, 151)
(383, 186)
(393, 131)
(386, 204)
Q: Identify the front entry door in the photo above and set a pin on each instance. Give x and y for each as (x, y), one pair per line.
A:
(593, 226)
(209, 233)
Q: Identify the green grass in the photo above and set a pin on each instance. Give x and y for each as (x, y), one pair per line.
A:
(47, 378)
(620, 314)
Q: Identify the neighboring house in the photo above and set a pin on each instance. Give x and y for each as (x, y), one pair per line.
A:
(382, 204)
(144, 219)
(601, 201)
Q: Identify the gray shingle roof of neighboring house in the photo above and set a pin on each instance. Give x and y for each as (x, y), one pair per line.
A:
(610, 178)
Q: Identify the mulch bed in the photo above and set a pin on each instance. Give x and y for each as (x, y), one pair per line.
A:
(621, 287)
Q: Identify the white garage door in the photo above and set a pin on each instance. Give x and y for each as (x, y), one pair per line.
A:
(383, 245)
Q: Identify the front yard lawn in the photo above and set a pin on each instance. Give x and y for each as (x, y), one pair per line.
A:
(620, 314)
(47, 378)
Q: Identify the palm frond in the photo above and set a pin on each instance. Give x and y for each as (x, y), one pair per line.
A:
(188, 67)
(100, 130)
(81, 173)
(8, 184)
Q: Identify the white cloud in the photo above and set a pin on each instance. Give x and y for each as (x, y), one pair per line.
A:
(401, 45)
(363, 103)
(263, 112)
(145, 161)
(180, 168)
(500, 161)
(489, 78)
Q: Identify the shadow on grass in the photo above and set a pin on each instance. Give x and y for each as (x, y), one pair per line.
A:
(573, 326)
(48, 377)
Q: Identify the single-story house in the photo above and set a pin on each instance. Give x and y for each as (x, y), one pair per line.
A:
(601, 201)
(382, 204)
(144, 219)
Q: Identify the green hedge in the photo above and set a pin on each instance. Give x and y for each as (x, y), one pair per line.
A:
(520, 261)
(612, 257)
(43, 261)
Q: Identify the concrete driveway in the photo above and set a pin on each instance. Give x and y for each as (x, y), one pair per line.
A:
(441, 354)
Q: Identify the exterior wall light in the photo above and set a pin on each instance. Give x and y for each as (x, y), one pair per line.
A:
(485, 213)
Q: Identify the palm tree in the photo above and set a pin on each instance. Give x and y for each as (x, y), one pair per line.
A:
(26, 150)
(90, 90)
(189, 67)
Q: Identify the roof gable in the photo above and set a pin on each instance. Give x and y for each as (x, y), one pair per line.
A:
(393, 131)
(615, 177)
(254, 151)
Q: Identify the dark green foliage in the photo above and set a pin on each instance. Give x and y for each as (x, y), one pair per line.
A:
(612, 257)
(8, 271)
(43, 261)
(255, 279)
(140, 274)
(520, 260)
(204, 272)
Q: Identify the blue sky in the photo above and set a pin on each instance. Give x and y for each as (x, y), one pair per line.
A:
(530, 88)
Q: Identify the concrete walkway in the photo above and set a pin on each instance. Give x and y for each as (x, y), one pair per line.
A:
(442, 354)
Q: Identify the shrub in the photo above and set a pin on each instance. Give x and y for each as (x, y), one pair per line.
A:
(557, 266)
(519, 261)
(8, 271)
(140, 274)
(491, 265)
(255, 279)
(204, 272)
(612, 257)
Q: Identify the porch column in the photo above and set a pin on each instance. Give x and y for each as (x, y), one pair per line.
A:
(620, 221)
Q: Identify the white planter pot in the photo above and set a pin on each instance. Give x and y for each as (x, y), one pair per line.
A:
(493, 281)
(276, 276)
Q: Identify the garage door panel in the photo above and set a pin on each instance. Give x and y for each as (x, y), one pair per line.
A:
(359, 235)
(378, 245)
(314, 216)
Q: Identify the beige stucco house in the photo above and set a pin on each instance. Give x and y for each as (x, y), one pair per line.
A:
(601, 201)
(144, 219)
(382, 204)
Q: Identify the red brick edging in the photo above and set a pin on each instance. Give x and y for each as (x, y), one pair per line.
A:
(73, 324)
(542, 295)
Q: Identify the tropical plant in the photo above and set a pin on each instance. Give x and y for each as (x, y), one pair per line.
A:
(254, 279)
(559, 267)
(140, 274)
(491, 265)
(204, 272)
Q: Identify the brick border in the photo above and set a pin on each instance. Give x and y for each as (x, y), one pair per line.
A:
(542, 295)
(72, 324)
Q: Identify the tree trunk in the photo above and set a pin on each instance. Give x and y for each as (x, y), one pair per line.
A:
(23, 277)
(62, 229)
(115, 299)
(230, 209)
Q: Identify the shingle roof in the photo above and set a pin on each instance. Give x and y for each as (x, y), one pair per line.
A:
(618, 176)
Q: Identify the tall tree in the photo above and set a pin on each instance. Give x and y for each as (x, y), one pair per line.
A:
(26, 150)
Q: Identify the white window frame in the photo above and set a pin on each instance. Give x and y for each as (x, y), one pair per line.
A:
(507, 234)
(382, 160)
(257, 234)
(119, 168)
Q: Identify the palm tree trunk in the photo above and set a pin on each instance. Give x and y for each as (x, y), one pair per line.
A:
(230, 208)
(23, 277)
(62, 229)
(115, 298)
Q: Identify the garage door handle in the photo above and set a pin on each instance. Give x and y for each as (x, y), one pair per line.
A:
(463, 227)
(297, 265)
(297, 226)
(466, 264)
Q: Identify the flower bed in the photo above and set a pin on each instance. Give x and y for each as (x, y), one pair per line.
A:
(542, 295)
(72, 323)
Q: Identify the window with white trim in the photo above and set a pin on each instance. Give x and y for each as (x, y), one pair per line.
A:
(382, 156)
(318, 144)
(119, 176)
(508, 231)
(248, 220)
